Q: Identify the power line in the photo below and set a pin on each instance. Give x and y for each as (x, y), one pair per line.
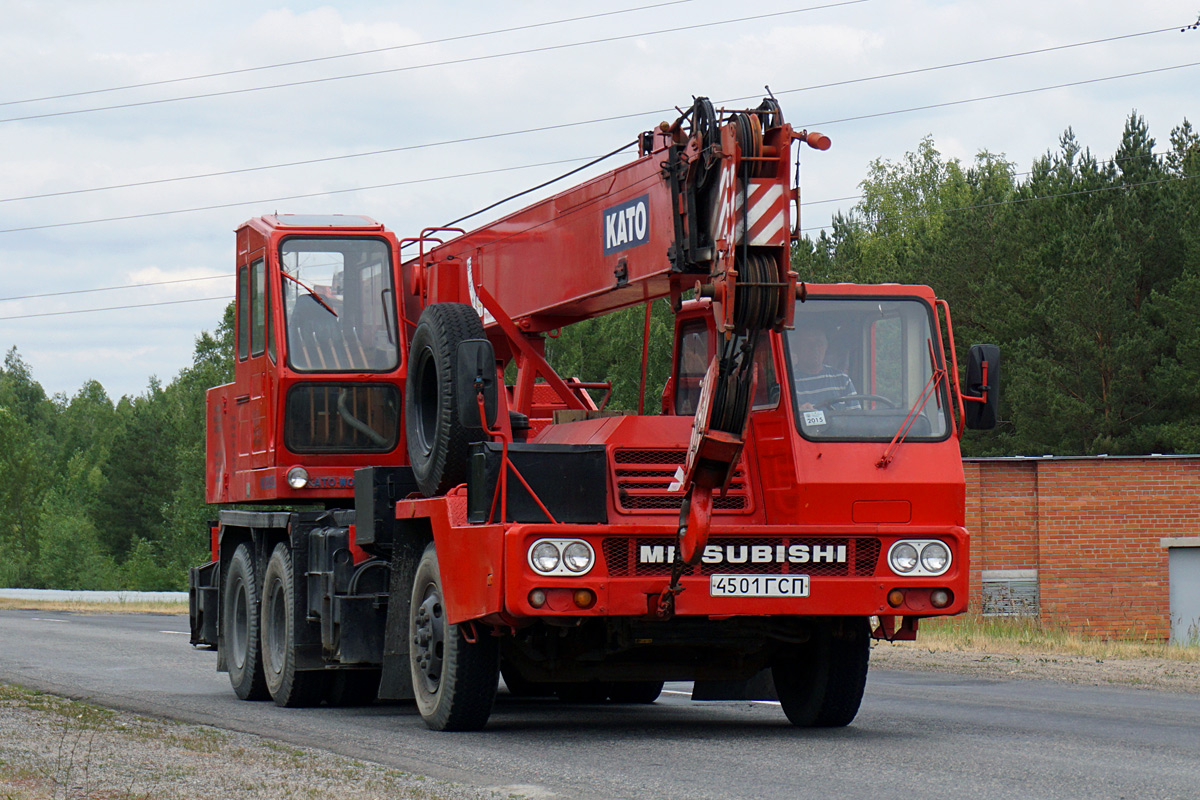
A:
(572, 124)
(115, 308)
(392, 70)
(289, 197)
(902, 217)
(1014, 174)
(114, 288)
(318, 59)
(1020, 201)
(563, 161)
(1001, 95)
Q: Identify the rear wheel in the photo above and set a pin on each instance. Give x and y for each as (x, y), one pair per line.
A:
(288, 686)
(454, 679)
(240, 628)
(820, 684)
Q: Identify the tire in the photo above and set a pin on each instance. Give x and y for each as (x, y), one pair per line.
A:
(640, 692)
(353, 687)
(240, 626)
(438, 442)
(820, 684)
(288, 686)
(454, 680)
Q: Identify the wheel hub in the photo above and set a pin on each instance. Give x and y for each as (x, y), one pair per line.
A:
(429, 641)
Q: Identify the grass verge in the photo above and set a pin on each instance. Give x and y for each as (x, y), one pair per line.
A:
(1030, 635)
(119, 607)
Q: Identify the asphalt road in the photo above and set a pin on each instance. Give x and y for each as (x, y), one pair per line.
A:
(919, 735)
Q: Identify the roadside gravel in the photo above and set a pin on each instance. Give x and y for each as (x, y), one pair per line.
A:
(51, 747)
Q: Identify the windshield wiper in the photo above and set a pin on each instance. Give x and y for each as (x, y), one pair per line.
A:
(310, 291)
(930, 390)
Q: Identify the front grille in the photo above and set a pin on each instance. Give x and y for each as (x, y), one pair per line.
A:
(819, 557)
(644, 477)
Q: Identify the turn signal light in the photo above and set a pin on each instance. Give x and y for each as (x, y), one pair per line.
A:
(584, 598)
(895, 598)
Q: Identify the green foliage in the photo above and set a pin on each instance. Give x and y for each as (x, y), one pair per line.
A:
(1084, 272)
(609, 348)
(101, 496)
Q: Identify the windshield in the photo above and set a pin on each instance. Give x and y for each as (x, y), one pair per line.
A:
(859, 366)
(338, 305)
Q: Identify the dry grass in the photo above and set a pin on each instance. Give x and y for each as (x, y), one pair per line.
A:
(120, 607)
(1031, 636)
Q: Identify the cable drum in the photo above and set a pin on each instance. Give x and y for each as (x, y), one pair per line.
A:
(756, 296)
(704, 127)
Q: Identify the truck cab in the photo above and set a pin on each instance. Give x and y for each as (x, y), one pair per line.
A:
(319, 376)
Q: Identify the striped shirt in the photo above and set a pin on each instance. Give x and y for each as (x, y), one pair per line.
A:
(822, 387)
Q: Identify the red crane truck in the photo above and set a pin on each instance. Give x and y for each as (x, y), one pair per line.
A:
(410, 525)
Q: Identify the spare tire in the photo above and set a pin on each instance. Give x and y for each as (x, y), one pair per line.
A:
(438, 442)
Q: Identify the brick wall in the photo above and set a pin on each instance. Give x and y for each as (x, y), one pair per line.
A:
(1091, 528)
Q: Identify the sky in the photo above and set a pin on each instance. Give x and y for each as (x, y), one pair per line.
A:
(442, 125)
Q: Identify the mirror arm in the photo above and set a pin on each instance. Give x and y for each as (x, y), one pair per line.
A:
(981, 398)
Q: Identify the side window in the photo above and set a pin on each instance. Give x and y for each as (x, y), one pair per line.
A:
(258, 312)
(766, 392)
(270, 328)
(243, 314)
(693, 363)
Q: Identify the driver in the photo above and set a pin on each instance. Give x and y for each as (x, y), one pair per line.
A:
(814, 381)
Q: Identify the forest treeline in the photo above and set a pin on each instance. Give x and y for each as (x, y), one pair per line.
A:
(1086, 271)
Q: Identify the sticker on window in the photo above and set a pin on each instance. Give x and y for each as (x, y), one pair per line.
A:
(813, 418)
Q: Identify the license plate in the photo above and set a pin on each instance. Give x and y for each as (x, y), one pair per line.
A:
(758, 586)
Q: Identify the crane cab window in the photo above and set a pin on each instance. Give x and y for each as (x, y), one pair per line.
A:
(860, 367)
(694, 356)
(339, 305)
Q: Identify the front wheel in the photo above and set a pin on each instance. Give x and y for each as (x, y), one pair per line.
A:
(820, 684)
(240, 626)
(454, 679)
(289, 686)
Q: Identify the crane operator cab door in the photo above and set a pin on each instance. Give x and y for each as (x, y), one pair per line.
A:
(256, 359)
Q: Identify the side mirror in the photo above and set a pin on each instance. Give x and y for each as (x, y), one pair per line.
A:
(982, 392)
(475, 371)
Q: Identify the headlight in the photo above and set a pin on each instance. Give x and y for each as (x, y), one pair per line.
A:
(297, 477)
(924, 557)
(903, 557)
(577, 556)
(561, 557)
(934, 557)
(544, 557)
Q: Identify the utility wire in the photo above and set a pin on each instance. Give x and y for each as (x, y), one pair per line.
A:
(392, 70)
(1016, 201)
(319, 59)
(549, 163)
(115, 308)
(289, 197)
(1001, 95)
(114, 288)
(584, 122)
